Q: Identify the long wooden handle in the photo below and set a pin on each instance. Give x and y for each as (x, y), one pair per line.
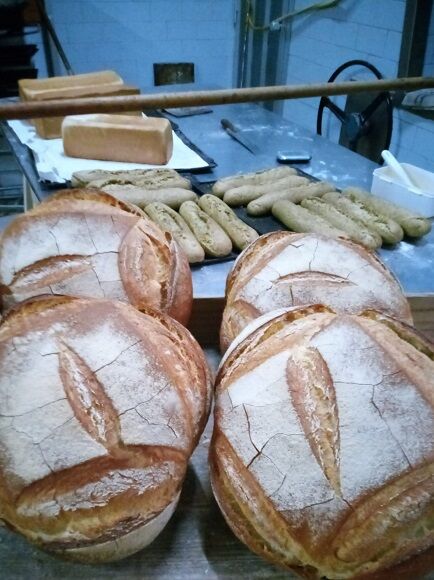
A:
(78, 106)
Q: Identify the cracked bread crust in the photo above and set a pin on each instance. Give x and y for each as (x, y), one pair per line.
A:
(85, 244)
(322, 457)
(101, 407)
(282, 269)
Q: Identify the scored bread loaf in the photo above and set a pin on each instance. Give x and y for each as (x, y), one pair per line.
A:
(282, 269)
(92, 247)
(105, 405)
(323, 444)
(118, 138)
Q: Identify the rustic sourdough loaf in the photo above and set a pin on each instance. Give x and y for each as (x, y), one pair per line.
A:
(101, 408)
(283, 269)
(85, 244)
(323, 445)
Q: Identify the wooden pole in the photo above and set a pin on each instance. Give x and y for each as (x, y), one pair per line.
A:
(79, 106)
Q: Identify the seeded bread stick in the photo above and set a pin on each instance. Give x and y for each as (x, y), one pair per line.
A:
(240, 233)
(299, 219)
(209, 234)
(388, 229)
(356, 230)
(263, 204)
(170, 221)
(413, 224)
(173, 197)
(146, 178)
(257, 178)
(247, 193)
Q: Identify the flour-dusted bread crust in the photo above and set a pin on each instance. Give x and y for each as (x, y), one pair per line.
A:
(86, 244)
(323, 446)
(101, 408)
(283, 269)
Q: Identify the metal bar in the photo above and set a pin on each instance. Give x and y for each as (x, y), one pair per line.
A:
(47, 24)
(57, 108)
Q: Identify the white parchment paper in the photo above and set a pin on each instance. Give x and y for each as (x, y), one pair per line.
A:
(53, 165)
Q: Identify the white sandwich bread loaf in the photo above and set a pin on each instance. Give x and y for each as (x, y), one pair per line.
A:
(118, 138)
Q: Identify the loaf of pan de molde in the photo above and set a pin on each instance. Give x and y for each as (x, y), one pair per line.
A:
(118, 138)
(282, 269)
(101, 408)
(89, 244)
(323, 445)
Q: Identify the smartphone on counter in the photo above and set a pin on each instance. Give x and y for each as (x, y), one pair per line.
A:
(293, 157)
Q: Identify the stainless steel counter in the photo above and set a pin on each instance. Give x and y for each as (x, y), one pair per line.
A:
(412, 262)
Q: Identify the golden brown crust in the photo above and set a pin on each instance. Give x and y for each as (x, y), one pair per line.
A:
(87, 244)
(90, 451)
(322, 455)
(282, 269)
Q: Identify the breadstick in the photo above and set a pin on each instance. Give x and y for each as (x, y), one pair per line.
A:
(299, 219)
(356, 230)
(246, 193)
(413, 224)
(240, 233)
(173, 197)
(257, 178)
(170, 221)
(209, 234)
(389, 230)
(263, 204)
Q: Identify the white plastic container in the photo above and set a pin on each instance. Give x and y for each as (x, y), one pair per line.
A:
(385, 185)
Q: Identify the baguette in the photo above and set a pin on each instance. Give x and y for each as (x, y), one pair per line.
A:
(388, 229)
(247, 193)
(173, 197)
(170, 221)
(146, 178)
(263, 204)
(209, 234)
(239, 232)
(355, 230)
(259, 177)
(413, 224)
(299, 219)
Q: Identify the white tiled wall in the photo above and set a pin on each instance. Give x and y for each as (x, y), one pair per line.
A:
(129, 36)
(357, 29)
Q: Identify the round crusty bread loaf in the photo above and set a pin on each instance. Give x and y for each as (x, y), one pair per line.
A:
(323, 445)
(86, 244)
(283, 269)
(101, 408)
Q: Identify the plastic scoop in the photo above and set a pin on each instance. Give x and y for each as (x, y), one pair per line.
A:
(399, 171)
